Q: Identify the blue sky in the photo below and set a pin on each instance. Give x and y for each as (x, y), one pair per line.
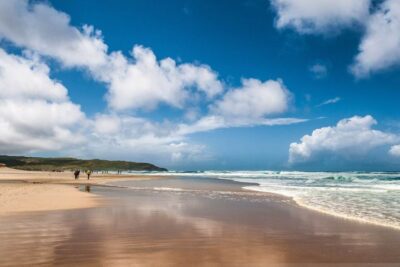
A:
(240, 69)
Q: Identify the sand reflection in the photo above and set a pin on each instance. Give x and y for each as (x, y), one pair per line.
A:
(185, 229)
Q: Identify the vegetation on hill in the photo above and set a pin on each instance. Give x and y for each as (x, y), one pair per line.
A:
(61, 164)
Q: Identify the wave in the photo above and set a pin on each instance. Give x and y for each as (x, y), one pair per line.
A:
(167, 189)
(347, 203)
(337, 176)
(372, 197)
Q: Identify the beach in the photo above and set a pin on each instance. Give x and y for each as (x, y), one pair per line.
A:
(199, 133)
(176, 221)
(24, 191)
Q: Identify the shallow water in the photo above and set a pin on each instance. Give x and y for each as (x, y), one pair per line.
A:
(367, 196)
(205, 223)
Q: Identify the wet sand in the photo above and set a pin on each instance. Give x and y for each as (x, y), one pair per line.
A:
(192, 222)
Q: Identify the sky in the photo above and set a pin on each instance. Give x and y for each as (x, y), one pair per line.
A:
(201, 85)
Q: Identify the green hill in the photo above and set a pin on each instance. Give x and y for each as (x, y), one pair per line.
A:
(61, 164)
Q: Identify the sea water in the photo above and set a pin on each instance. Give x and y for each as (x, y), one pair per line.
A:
(372, 197)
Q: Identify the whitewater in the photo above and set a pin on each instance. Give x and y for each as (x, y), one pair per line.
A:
(372, 197)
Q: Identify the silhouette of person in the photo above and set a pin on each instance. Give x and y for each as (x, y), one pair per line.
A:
(76, 174)
(88, 173)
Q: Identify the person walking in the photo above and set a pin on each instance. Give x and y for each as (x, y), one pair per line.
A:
(76, 174)
(88, 173)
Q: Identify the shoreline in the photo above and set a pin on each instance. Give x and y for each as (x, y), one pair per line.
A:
(39, 198)
(327, 212)
(300, 204)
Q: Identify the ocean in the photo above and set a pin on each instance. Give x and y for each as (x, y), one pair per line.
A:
(372, 197)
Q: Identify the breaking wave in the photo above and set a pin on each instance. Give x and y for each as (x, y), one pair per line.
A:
(372, 197)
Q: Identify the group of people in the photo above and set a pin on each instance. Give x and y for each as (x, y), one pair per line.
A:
(87, 172)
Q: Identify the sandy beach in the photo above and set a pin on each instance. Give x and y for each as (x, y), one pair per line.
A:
(178, 221)
(244, 133)
(23, 191)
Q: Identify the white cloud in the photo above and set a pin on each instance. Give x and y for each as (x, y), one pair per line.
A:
(319, 71)
(35, 112)
(107, 124)
(380, 46)
(352, 136)
(142, 82)
(146, 82)
(47, 31)
(116, 135)
(254, 99)
(249, 105)
(123, 136)
(329, 101)
(246, 106)
(395, 151)
(27, 78)
(36, 125)
(319, 16)
(213, 122)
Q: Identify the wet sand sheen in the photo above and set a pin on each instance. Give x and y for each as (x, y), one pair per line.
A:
(197, 226)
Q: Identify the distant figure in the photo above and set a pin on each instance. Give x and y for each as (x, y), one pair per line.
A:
(76, 174)
(88, 173)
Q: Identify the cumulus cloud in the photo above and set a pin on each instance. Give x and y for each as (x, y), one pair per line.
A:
(251, 104)
(107, 124)
(36, 125)
(319, 16)
(27, 78)
(146, 82)
(245, 106)
(46, 30)
(140, 82)
(121, 136)
(380, 46)
(115, 135)
(352, 136)
(254, 99)
(395, 151)
(35, 112)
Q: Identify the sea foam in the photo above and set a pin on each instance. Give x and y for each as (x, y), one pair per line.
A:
(372, 197)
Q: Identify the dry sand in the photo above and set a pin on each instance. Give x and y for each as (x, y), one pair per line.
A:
(22, 191)
(41, 197)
